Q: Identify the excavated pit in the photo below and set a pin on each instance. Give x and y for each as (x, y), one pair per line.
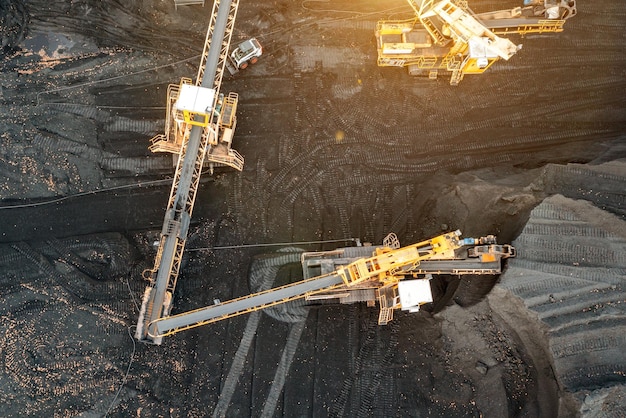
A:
(336, 148)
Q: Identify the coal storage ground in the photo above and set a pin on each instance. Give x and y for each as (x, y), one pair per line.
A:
(335, 148)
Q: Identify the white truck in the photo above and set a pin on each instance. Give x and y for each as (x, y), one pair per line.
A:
(247, 52)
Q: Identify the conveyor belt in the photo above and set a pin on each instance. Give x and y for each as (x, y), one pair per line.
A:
(326, 262)
(271, 297)
(523, 25)
(246, 304)
(155, 303)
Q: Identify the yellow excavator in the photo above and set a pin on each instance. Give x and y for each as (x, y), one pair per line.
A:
(447, 36)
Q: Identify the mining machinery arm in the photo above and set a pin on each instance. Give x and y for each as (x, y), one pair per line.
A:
(199, 127)
(200, 123)
(395, 276)
(447, 36)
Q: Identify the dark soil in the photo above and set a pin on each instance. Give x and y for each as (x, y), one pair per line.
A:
(335, 148)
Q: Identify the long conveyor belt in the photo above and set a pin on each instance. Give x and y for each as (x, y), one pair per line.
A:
(318, 284)
(246, 304)
(157, 297)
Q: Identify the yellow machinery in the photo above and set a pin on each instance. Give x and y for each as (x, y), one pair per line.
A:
(447, 36)
(396, 278)
(190, 104)
(185, 108)
(198, 128)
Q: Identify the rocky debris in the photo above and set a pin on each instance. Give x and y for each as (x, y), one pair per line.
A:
(602, 403)
(13, 24)
(65, 306)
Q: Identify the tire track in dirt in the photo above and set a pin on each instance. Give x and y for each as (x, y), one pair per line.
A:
(378, 396)
(362, 393)
(600, 187)
(100, 21)
(570, 272)
(45, 355)
(278, 382)
(499, 149)
(352, 384)
(37, 259)
(373, 158)
(262, 275)
(301, 169)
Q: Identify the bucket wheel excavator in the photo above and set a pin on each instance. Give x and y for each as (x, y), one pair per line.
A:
(392, 276)
(447, 36)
